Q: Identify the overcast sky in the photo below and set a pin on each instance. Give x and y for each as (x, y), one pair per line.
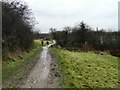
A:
(61, 13)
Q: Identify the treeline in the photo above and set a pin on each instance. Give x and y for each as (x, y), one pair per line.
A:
(17, 25)
(82, 37)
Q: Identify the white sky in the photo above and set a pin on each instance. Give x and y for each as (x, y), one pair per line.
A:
(61, 13)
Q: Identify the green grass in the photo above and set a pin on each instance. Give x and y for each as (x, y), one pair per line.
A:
(15, 69)
(87, 70)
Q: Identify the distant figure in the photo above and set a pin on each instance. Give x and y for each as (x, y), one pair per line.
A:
(42, 42)
(47, 43)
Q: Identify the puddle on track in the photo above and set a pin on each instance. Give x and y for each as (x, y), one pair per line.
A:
(39, 75)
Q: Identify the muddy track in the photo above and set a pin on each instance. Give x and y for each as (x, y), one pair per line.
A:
(45, 73)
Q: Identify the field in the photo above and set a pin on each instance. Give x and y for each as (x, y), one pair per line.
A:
(18, 65)
(87, 70)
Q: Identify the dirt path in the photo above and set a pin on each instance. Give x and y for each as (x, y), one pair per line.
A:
(42, 75)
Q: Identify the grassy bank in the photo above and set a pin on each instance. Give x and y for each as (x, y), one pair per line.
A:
(19, 65)
(87, 70)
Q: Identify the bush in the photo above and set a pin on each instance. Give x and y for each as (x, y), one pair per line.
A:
(16, 26)
(82, 37)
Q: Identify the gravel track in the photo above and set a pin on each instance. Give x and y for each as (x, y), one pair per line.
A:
(45, 73)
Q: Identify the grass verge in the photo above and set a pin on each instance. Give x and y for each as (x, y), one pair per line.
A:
(18, 66)
(87, 70)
